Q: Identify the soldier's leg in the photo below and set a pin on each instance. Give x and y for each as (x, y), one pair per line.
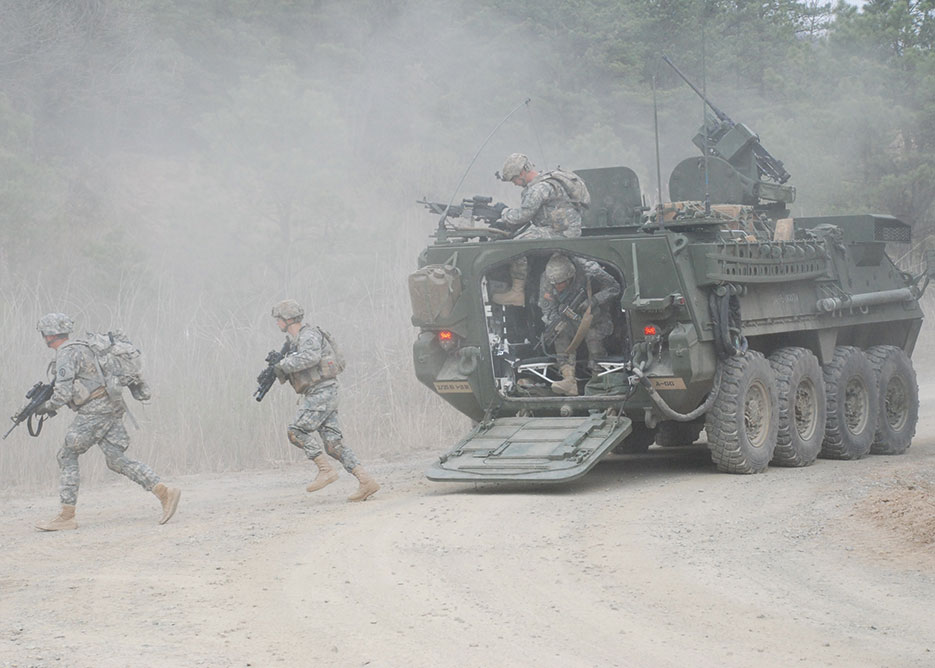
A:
(81, 435)
(331, 435)
(314, 410)
(114, 444)
(565, 360)
(83, 432)
(333, 439)
(516, 295)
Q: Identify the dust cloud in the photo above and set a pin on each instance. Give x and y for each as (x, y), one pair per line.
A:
(173, 169)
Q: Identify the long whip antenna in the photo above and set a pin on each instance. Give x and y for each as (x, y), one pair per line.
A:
(658, 168)
(441, 221)
(704, 110)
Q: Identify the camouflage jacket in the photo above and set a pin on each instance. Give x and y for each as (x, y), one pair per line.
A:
(79, 383)
(545, 203)
(604, 289)
(301, 365)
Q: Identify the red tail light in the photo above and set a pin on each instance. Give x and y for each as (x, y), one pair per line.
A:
(650, 330)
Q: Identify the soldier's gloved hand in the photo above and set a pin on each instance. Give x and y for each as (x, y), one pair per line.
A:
(44, 409)
(499, 207)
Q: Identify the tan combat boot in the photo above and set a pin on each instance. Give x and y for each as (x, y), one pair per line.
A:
(326, 474)
(515, 296)
(64, 520)
(567, 386)
(169, 497)
(368, 486)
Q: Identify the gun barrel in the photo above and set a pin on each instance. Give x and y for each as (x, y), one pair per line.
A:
(717, 112)
(15, 425)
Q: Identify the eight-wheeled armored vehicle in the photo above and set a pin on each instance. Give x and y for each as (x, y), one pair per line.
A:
(784, 339)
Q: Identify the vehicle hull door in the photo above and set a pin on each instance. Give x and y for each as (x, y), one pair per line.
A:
(531, 449)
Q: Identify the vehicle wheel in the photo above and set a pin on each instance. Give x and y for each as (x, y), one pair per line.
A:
(743, 421)
(671, 433)
(851, 397)
(638, 441)
(899, 400)
(801, 406)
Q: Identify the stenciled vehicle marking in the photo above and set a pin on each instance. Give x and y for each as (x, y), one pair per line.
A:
(452, 386)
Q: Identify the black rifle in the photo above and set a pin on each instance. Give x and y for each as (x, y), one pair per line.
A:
(38, 394)
(765, 163)
(568, 315)
(477, 207)
(268, 375)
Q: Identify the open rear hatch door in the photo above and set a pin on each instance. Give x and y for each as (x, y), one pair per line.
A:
(533, 449)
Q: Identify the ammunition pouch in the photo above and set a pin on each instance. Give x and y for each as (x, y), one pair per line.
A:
(302, 380)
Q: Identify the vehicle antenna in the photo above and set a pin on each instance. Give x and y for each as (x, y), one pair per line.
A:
(535, 131)
(658, 168)
(704, 111)
(444, 217)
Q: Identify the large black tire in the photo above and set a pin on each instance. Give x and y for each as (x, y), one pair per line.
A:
(801, 406)
(852, 405)
(743, 421)
(898, 397)
(638, 441)
(671, 433)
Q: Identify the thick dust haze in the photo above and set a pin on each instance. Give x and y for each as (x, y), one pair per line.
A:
(173, 169)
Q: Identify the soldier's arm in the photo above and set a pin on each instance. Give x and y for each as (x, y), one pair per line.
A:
(66, 370)
(306, 355)
(547, 302)
(533, 198)
(605, 287)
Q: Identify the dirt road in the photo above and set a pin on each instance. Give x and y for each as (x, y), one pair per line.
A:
(653, 560)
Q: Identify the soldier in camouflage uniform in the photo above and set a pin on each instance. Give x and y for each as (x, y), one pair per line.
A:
(318, 402)
(546, 206)
(79, 384)
(566, 277)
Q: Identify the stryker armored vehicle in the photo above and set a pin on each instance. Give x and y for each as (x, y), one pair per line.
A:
(784, 339)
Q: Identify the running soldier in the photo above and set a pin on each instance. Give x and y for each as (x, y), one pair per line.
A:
(311, 368)
(551, 204)
(564, 276)
(80, 385)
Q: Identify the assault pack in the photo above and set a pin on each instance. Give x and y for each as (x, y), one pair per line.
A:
(571, 183)
(119, 361)
(332, 361)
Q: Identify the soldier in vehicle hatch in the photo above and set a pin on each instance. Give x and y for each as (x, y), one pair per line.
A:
(550, 204)
(81, 385)
(311, 366)
(563, 279)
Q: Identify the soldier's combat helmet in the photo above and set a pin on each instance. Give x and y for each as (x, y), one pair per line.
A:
(288, 309)
(559, 269)
(52, 324)
(514, 165)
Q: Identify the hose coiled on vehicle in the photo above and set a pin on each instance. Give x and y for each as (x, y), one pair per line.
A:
(726, 322)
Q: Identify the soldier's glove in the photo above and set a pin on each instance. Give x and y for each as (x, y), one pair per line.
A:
(281, 375)
(44, 409)
(498, 207)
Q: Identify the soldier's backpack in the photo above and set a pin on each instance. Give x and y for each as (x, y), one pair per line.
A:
(119, 361)
(572, 184)
(332, 361)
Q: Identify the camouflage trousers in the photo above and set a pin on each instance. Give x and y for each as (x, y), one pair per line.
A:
(108, 432)
(318, 414)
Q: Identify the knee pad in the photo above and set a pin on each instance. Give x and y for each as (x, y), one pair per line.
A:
(295, 437)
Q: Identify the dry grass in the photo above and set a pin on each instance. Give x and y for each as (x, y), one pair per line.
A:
(202, 356)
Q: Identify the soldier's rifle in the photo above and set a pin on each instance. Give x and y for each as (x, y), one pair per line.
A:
(38, 394)
(765, 162)
(569, 314)
(268, 375)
